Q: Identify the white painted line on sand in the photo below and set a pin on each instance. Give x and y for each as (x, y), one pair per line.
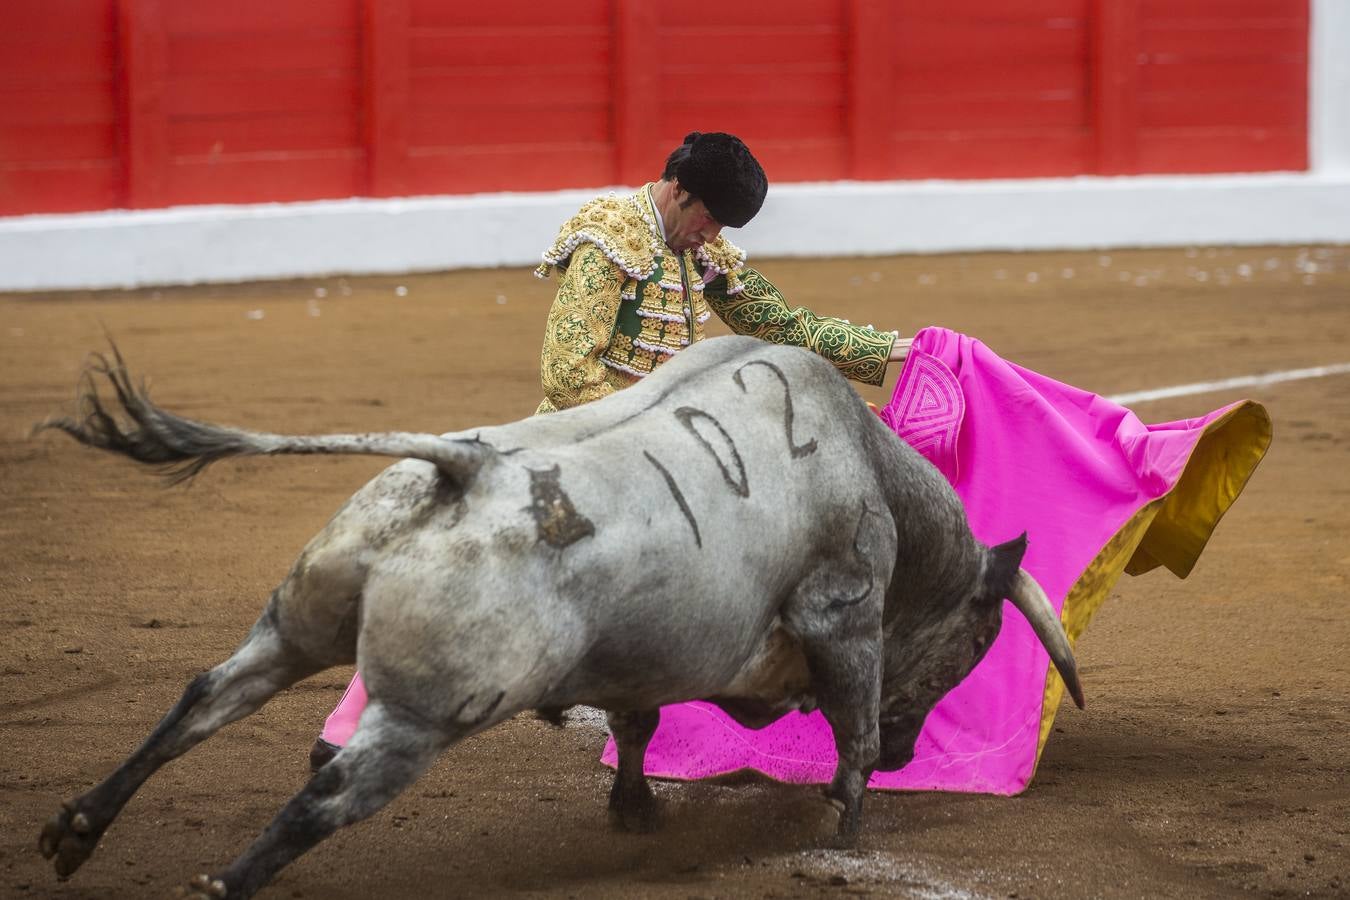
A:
(1207, 387)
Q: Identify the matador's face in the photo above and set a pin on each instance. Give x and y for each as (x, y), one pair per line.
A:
(688, 223)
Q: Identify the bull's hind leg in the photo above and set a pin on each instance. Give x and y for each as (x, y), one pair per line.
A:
(391, 748)
(263, 665)
(632, 807)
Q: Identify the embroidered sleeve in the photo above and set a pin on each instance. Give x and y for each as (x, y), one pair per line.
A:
(580, 326)
(754, 306)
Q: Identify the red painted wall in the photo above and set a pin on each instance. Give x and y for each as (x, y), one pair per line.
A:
(151, 103)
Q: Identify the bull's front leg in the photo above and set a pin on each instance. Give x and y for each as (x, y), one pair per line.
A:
(836, 613)
(845, 662)
(850, 704)
(632, 806)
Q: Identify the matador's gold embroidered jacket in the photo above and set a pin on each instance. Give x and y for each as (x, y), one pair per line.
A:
(626, 303)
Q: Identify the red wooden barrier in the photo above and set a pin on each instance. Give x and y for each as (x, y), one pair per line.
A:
(147, 103)
(985, 89)
(385, 96)
(59, 148)
(1223, 85)
(143, 120)
(637, 120)
(870, 111)
(511, 95)
(1115, 85)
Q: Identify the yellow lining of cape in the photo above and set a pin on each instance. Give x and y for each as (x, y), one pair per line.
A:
(1170, 531)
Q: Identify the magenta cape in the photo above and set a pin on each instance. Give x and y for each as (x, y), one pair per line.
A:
(1097, 491)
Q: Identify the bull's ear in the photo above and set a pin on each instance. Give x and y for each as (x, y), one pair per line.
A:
(1004, 561)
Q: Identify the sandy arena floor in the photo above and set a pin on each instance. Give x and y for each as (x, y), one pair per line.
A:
(1213, 759)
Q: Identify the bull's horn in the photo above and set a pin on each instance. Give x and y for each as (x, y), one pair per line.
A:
(1031, 601)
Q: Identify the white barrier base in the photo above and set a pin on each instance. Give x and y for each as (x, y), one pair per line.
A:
(197, 244)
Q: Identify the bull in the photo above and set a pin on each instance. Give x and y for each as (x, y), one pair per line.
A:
(739, 527)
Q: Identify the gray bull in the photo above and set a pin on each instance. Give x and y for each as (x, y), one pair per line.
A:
(738, 527)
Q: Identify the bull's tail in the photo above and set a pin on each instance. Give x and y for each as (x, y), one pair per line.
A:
(180, 448)
(1031, 601)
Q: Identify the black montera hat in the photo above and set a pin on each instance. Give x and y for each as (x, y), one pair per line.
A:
(719, 169)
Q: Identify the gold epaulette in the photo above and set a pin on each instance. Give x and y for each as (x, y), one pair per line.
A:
(722, 256)
(615, 225)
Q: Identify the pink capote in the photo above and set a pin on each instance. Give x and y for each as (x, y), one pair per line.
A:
(1025, 453)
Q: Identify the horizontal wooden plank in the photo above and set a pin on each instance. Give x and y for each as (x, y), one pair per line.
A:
(1229, 77)
(785, 157)
(775, 122)
(440, 14)
(582, 124)
(987, 11)
(1222, 150)
(1249, 109)
(760, 85)
(513, 87)
(260, 16)
(541, 47)
(32, 18)
(806, 48)
(712, 16)
(800, 68)
(212, 54)
(1155, 11)
(283, 92)
(920, 44)
(651, 154)
(540, 167)
(1225, 43)
(59, 142)
(1035, 153)
(75, 58)
(759, 47)
(56, 104)
(800, 160)
(983, 114)
(59, 188)
(264, 178)
(734, 35)
(261, 133)
(1042, 79)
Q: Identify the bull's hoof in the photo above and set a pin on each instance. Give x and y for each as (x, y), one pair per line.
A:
(837, 830)
(635, 824)
(203, 887)
(846, 836)
(840, 841)
(68, 839)
(827, 826)
(641, 815)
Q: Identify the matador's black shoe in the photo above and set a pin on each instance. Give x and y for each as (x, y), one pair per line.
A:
(321, 753)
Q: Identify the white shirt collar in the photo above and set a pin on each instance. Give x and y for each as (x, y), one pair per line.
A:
(656, 214)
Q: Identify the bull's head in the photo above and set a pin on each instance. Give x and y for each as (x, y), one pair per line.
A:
(932, 648)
